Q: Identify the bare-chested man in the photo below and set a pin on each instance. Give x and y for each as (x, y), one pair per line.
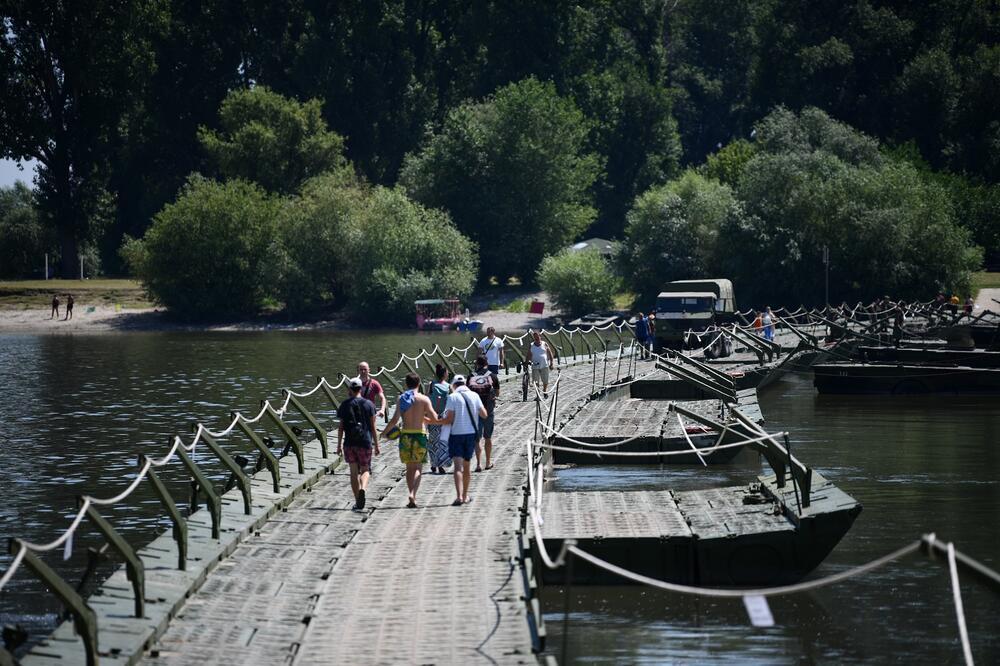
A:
(416, 410)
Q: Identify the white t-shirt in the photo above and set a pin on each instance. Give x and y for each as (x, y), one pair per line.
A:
(457, 401)
(539, 355)
(491, 349)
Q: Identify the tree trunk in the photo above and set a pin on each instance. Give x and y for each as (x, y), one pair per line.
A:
(70, 248)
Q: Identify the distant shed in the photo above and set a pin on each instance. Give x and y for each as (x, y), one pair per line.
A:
(605, 247)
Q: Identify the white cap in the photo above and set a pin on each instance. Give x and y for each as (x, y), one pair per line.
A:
(354, 383)
(458, 380)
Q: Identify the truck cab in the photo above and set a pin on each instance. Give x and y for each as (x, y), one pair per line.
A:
(687, 309)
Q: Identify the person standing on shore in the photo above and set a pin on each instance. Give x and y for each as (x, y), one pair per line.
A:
(416, 411)
(437, 435)
(463, 413)
(69, 306)
(55, 307)
(492, 348)
(541, 362)
(484, 384)
(357, 425)
(371, 389)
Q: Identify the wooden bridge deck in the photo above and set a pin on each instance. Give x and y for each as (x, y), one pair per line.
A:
(322, 584)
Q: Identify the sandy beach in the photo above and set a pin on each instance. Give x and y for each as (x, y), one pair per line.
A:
(106, 319)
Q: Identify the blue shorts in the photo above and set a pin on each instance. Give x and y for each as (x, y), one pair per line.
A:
(462, 446)
(486, 426)
(494, 369)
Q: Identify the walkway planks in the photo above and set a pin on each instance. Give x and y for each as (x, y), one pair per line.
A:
(322, 584)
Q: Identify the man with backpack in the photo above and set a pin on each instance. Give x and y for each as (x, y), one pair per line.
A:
(483, 383)
(357, 426)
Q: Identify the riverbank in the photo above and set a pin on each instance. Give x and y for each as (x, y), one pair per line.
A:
(117, 306)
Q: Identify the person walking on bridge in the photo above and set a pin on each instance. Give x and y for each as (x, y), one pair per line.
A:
(483, 383)
(416, 411)
(438, 392)
(371, 389)
(641, 332)
(492, 348)
(357, 426)
(541, 362)
(462, 414)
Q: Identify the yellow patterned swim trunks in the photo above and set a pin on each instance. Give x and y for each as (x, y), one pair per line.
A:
(413, 446)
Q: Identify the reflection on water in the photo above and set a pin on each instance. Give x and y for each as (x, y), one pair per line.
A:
(917, 464)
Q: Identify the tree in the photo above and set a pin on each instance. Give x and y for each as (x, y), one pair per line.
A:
(815, 183)
(212, 253)
(272, 140)
(69, 74)
(23, 238)
(405, 252)
(513, 173)
(578, 282)
(671, 233)
(319, 262)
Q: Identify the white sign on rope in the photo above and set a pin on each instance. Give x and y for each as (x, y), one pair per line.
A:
(758, 610)
(68, 547)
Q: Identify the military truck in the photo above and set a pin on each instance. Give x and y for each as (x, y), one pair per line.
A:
(689, 313)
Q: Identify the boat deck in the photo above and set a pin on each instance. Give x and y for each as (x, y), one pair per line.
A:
(655, 428)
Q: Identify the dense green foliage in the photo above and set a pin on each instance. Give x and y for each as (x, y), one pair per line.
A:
(120, 101)
(213, 252)
(317, 261)
(513, 173)
(672, 231)
(271, 140)
(809, 183)
(578, 282)
(23, 238)
(398, 252)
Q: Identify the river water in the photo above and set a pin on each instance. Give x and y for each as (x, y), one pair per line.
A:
(76, 410)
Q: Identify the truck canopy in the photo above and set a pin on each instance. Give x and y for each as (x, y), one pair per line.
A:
(721, 288)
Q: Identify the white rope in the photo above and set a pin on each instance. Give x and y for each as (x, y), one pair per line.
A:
(12, 569)
(963, 632)
(626, 454)
(762, 592)
(694, 448)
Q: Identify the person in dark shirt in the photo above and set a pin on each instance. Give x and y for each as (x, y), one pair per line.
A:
(55, 307)
(69, 306)
(357, 427)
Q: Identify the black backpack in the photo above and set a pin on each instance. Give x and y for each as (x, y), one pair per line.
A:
(355, 426)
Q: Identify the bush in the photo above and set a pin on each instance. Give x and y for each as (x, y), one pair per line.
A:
(397, 251)
(578, 282)
(313, 231)
(671, 233)
(211, 253)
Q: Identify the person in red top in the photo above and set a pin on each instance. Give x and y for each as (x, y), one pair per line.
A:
(371, 389)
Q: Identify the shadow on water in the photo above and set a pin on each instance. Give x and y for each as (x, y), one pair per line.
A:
(917, 464)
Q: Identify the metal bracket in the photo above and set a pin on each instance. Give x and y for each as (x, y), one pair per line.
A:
(321, 433)
(206, 488)
(84, 618)
(241, 478)
(180, 525)
(289, 435)
(273, 465)
(134, 570)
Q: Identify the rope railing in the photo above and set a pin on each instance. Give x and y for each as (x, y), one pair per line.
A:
(201, 430)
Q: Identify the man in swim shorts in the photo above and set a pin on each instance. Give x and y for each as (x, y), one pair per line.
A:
(415, 410)
(357, 423)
